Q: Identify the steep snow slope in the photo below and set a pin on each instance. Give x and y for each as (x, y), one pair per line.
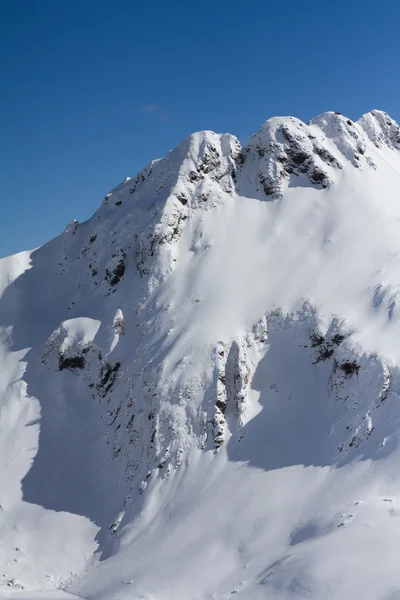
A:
(199, 386)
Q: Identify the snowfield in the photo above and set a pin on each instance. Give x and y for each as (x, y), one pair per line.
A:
(200, 386)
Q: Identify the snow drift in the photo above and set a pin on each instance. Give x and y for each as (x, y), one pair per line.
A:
(199, 386)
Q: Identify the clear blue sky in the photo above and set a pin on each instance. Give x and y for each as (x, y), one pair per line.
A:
(92, 90)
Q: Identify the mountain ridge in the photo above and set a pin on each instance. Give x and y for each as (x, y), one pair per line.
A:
(221, 333)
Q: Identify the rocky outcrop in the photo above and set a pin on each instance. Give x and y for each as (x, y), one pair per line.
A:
(381, 129)
(286, 148)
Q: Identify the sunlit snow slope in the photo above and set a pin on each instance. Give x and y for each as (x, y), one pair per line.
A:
(200, 386)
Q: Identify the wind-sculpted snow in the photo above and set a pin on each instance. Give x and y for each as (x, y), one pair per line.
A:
(199, 386)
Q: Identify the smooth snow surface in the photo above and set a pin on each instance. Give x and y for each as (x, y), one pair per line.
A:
(199, 386)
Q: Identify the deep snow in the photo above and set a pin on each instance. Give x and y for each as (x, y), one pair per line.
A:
(199, 386)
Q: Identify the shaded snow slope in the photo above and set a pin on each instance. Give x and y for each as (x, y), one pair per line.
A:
(199, 386)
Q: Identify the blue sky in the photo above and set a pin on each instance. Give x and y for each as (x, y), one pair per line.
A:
(93, 90)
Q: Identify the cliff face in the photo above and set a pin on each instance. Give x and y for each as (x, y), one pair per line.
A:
(199, 380)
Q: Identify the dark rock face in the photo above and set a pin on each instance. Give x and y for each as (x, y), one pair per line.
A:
(350, 368)
(71, 362)
(116, 268)
(117, 273)
(108, 375)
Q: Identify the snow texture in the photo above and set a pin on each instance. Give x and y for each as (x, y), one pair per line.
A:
(199, 386)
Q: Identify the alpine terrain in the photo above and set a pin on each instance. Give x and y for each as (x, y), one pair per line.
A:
(200, 386)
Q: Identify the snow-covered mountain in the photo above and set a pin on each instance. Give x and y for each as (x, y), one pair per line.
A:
(200, 386)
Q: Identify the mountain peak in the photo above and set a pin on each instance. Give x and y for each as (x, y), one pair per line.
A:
(285, 148)
(205, 355)
(381, 129)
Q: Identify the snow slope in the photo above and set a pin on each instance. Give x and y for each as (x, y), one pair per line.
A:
(199, 386)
